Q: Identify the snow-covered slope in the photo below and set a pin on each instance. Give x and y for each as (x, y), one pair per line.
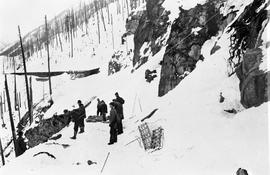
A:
(199, 136)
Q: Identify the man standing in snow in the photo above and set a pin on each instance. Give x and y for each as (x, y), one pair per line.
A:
(101, 109)
(113, 124)
(119, 101)
(119, 110)
(77, 116)
(20, 144)
(82, 116)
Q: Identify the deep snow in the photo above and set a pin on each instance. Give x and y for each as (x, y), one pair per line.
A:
(199, 137)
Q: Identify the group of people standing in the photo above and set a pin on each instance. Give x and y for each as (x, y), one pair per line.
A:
(115, 116)
(78, 115)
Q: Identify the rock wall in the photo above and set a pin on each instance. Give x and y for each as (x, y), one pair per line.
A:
(246, 55)
(46, 129)
(153, 23)
(188, 33)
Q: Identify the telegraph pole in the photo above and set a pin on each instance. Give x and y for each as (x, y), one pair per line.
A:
(48, 54)
(26, 80)
(10, 115)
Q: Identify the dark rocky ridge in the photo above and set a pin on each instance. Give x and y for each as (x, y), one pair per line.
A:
(153, 24)
(184, 47)
(246, 56)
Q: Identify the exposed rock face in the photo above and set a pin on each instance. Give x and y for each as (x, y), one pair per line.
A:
(46, 129)
(118, 61)
(188, 33)
(153, 24)
(132, 21)
(247, 57)
(253, 82)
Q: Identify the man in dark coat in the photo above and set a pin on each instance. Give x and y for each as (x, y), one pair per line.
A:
(102, 109)
(119, 101)
(75, 118)
(119, 109)
(20, 144)
(82, 116)
(113, 124)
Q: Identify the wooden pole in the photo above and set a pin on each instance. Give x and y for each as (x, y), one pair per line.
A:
(26, 80)
(102, 18)
(112, 32)
(48, 54)
(127, 7)
(71, 42)
(15, 87)
(4, 101)
(31, 95)
(2, 153)
(96, 10)
(19, 105)
(2, 112)
(105, 161)
(10, 115)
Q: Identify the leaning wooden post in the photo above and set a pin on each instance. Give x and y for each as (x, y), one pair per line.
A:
(4, 101)
(26, 80)
(96, 11)
(112, 31)
(1, 111)
(2, 153)
(48, 54)
(10, 115)
(31, 94)
(15, 87)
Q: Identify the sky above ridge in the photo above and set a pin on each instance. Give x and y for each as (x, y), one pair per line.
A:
(29, 14)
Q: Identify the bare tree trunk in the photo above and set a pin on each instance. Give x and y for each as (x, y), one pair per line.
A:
(71, 43)
(127, 7)
(10, 116)
(102, 17)
(60, 42)
(26, 80)
(4, 100)
(48, 56)
(85, 18)
(15, 86)
(108, 12)
(112, 32)
(2, 111)
(96, 10)
(2, 153)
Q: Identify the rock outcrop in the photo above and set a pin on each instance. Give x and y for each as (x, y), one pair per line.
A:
(152, 25)
(246, 55)
(46, 129)
(188, 33)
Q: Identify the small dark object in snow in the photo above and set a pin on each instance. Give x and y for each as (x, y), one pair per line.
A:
(150, 75)
(221, 98)
(233, 111)
(241, 171)
(50, 155)
(56, 137)
(90, 162)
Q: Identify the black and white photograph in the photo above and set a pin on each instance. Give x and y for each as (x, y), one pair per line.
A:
(134, 87)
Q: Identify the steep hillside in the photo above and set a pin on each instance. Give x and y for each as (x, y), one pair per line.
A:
(197, 53)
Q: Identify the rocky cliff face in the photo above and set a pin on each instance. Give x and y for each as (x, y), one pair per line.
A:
(246, 55)
(188, 33)
(46, 129)
(153, 23)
